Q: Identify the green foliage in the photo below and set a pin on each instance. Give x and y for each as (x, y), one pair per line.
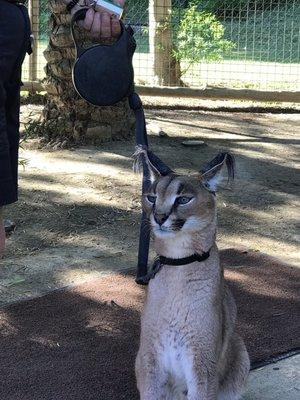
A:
(44, 20)
(136, 11)
(218, 6)
(269, 36)
(29, 132)
(200, 36)
(31, 129)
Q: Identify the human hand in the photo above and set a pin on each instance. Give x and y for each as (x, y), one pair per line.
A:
(101, 23)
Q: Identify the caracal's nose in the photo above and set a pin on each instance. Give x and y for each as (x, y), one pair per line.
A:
(160, 218)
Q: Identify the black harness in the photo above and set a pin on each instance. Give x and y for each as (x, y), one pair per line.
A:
(103, 75)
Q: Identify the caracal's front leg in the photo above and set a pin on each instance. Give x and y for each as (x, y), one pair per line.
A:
(202, 382)
(202, 389)
(151, 380)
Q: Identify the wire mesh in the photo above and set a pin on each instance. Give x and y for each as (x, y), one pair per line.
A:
(251, 44)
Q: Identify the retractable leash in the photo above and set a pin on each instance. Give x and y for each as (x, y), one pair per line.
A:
(103, 75)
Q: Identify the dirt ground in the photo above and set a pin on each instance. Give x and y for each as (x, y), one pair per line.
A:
(79, 209)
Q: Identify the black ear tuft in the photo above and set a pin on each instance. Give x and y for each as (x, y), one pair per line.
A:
(143, 163)
(211, 170)
(139, 157)
(145, 159)
(230, 164)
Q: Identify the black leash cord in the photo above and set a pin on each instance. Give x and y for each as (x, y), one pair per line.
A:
(71, 5)
(136, 105)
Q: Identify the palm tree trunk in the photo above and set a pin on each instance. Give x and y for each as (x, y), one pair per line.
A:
(67, 117)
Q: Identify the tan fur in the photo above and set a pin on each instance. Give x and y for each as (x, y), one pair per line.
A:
(189, 349)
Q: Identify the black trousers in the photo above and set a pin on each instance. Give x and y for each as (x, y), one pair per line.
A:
(14, 42)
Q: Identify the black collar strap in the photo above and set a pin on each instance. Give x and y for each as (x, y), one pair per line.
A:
(160, 261)
(185, 260)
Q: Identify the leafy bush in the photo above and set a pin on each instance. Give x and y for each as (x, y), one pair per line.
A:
(200, 36)
(234, 6)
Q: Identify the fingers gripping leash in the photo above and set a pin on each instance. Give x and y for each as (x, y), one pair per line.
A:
(97, 67)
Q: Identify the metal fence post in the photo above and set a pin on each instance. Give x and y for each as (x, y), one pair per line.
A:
(33, 8)
(160, 40)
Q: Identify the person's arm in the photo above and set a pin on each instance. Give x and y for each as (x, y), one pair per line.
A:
(101, 24)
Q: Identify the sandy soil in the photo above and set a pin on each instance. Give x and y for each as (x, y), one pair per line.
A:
(79, 209)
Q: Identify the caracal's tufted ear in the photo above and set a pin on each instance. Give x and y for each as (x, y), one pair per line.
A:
(142, 160)
(211, 173)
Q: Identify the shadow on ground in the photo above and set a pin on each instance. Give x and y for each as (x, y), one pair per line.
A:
(81, 343)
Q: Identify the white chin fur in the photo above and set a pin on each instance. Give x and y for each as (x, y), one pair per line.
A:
(161, 234)
(176, 244)
(191, 225)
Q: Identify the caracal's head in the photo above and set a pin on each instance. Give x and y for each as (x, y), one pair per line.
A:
(178, 204)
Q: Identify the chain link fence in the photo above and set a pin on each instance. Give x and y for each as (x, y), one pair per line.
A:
(231, 44)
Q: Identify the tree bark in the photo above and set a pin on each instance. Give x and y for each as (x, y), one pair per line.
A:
(165, 68)
(67, 117)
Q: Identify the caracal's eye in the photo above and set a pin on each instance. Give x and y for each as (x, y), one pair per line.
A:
(151, 199)
(183, 200)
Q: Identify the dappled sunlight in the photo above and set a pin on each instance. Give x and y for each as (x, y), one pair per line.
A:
(242, 280)
(44, 341)
(75, 192)
(249, 137)
(69, 263)
(288, 252)
(7, 328)
(262, 216)
(256, 214)
(81, 163)
(277, 154)
(73, 276)
(79, 209)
